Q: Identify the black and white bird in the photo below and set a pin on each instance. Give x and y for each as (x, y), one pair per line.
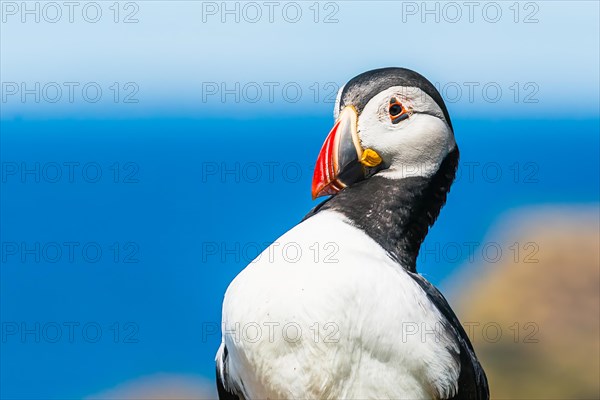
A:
(335, 309)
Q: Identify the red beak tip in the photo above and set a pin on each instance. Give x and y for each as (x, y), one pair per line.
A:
(316, 191)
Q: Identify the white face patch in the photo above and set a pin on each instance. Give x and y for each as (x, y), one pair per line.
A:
(415, 146)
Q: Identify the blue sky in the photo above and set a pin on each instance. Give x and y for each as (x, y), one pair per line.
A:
(175, 47)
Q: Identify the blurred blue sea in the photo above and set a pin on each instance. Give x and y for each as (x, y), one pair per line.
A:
(180, 214)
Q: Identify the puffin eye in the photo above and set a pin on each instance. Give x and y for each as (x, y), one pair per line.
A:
(397, 111)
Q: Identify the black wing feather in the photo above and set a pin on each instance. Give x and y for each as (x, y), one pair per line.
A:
(225, 394)
(472, 382)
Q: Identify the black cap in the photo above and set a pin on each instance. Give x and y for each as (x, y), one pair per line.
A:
(362, 88)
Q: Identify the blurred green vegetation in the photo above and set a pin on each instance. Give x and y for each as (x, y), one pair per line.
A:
(547, 306)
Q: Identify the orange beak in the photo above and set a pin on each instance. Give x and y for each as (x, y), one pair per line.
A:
(341, 161)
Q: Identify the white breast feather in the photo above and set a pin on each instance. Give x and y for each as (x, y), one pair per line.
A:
(367, 328)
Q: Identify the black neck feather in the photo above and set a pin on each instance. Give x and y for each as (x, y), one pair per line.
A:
(397, 214)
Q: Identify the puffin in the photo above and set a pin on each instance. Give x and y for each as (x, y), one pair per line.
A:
(335, 308)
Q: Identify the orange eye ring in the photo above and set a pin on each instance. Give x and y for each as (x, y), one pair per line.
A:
(397, 111)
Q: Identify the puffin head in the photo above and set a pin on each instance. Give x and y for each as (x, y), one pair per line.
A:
(389, 122)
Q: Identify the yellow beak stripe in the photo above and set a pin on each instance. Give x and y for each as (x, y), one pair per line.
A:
(370, 158)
